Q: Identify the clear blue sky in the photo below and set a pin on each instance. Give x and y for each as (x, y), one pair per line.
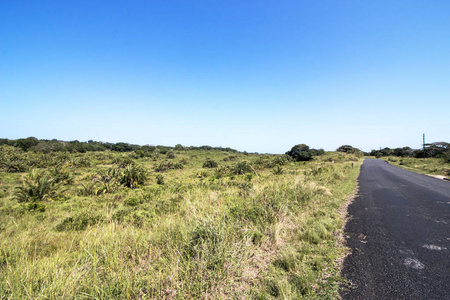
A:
(259, 76)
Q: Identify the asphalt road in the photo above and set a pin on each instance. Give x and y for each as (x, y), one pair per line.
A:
(399, 233)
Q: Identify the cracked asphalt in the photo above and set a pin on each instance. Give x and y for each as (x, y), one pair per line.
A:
(399, 234)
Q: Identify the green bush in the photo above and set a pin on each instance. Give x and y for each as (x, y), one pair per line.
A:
(132, 216)
(82, 162)
(35, 188)
(170, 155)
(140, 153)
(178, 166)
(300, 152)
(122, 161)
(282, 159)
(133, 175)
(61, 174)
(447, 156)
(256, 236)
(108, 180)
(160, 179)
(164, 166)
(88, 189)
(278, 170)
(242, 168)
(12, 159)
(209, 163)
(245, 188)
(79, 222)
(132, 201)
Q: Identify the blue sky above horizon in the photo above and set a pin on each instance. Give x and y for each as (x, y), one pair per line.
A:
(259, 76)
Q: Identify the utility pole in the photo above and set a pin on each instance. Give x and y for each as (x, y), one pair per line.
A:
(424, 145)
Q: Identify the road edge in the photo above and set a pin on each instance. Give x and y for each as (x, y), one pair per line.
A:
(341, 239)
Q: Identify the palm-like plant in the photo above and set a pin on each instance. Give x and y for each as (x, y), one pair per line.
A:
(89, 189)
(133, 175)
(278, 170)
(35, 188)
(12, 165)
(108, 180)
(242, 168)
(11, 159)
(61, 174)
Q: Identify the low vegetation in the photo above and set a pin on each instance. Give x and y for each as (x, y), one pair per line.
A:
(429, 166)
(188, 223)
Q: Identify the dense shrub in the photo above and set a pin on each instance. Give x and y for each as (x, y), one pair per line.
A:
(242, 168)
(300, 152)
(61, 174)
(230, 158)
(347, 149)
(133, 175)
(122, 161)
(132, 201)
(79, 222)
(140, 153)
(108, 180)
(170, 155)
(89, 189)
(209, 163)
(278, 170)
(160, 179)
(82, 162)
(178, 165)
(27, 143)
(282, 159)
(132, 216)
(164, 166)
(447, 157)
(35, 188)
(317, 152)
(122, 147)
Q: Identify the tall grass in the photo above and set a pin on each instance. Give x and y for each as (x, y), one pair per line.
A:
(240, 230)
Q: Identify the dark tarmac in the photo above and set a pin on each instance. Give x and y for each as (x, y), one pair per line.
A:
(399, 233)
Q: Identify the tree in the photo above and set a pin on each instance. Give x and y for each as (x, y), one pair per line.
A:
(347, 149)
(317, 152)
(403, 152)
(436, 149)
(27, 143)
(386, 151)
(121, 147)
(300, 152)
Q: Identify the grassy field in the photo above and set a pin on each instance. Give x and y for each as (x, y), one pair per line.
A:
(429, 166)
(181, 225)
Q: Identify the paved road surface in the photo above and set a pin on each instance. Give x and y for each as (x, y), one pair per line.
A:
(399, 232)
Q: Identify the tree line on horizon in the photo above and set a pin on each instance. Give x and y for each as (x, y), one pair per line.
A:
(54, 145)
(300, 152)
(437, 149)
